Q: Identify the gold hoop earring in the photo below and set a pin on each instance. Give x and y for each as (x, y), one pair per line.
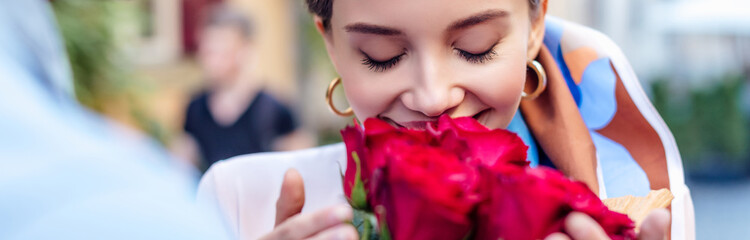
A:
(329, 99)
(541, 76)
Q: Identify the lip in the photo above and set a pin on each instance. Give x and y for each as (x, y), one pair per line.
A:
(417, 125)
(481, 116)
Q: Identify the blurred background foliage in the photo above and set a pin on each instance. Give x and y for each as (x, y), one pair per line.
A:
(708, 124)
(103, 77)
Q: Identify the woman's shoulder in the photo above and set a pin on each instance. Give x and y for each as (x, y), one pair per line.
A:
(267, 169)
(328, 154)
(252, 183)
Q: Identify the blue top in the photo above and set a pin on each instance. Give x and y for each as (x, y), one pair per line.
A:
(66, 173)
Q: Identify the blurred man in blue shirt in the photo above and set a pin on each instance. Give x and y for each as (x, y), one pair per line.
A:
(67, 173)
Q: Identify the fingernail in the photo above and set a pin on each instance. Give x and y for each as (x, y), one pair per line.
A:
(342, 214)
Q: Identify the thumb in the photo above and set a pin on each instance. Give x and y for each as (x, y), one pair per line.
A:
(582, 227)
(292, 196)
(656, 225)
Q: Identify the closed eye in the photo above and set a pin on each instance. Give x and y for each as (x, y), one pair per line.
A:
(478, 58)
(381, 66)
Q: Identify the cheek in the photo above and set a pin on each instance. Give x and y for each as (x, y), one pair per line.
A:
(500, 86)
(368, 94)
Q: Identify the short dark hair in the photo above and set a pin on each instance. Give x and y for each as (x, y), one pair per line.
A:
(324, 9)
(222, 15)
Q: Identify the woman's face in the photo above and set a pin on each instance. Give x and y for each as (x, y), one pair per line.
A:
(408, 62)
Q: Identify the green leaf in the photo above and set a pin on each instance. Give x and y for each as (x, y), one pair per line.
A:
(359, 195)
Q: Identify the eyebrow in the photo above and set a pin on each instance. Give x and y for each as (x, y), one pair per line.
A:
(477, 19)
(457, 25)
(372, 29)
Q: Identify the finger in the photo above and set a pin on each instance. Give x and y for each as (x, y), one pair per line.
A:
(292, 196)
(341, 232)
(656, 225)
(582, 227)
(557, 236)
(307, 225)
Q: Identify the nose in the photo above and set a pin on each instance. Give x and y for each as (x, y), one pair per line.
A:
(434, 90)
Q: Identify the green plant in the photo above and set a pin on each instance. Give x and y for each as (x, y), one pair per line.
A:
(708, 124)
(102, 78)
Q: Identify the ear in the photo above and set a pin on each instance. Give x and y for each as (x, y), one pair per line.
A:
(327, 35)
(536, 35)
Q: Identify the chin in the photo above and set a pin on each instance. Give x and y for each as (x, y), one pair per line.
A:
(493, 119)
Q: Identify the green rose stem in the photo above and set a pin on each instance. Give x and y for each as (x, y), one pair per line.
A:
(364, 222)
(366, 230)
(385, 234)
(359, 196)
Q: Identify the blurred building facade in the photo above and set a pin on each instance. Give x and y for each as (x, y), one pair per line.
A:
(690, 41)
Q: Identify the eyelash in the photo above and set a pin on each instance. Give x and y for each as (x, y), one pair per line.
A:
(479, 58)
(378, 66)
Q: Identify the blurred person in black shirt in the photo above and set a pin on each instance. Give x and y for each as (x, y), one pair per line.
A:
(235, 115)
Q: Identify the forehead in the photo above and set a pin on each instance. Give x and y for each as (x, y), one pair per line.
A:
(222, 33)
(423, 14)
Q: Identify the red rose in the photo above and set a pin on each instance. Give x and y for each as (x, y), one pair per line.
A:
(488, 147)
(427, 193)
(531, 203)
(367, 152)
(353, 178)
(457, 178)
(420, 178)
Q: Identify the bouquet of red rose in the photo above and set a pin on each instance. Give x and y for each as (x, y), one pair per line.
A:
(459, 180)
